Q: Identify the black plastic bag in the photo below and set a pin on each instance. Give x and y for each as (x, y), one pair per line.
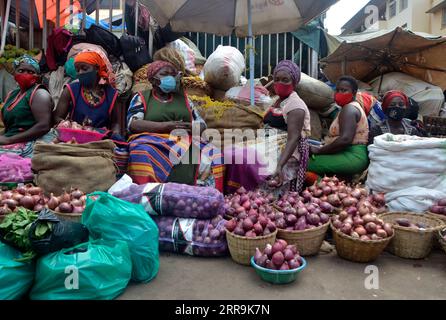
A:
(64, 234)
(105, 39)
(135, 52)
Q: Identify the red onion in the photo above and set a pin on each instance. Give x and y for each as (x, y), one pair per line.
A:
(27, 202)
(81, 210)
(231, 225)
(278, 259)
(65, 207)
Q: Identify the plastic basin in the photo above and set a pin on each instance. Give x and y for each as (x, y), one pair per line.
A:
(278, 276)
(81, 136)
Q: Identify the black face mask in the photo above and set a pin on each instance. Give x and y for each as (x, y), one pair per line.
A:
(396, 113)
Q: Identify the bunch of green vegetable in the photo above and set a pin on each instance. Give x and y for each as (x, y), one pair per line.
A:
(15, 230)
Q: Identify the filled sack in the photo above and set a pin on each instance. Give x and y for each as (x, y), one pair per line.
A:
(316, 94)
(88, 166)
(224, 68)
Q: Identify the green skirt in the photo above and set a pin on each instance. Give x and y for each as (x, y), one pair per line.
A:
(353, 160)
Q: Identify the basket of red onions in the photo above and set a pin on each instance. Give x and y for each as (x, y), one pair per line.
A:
(359, 234)
(68, 206)
(69, 130)
(439, 210)
(279, 263)
(302, 224)
(414, 233)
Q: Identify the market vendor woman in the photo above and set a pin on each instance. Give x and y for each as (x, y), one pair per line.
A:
(290, 114)
(395, 105)
(152, 116)
(91, 100)
(345, 149)
(26, 112)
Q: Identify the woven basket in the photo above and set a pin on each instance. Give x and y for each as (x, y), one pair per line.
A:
(75, 217)
(243, 248)
(357, 250)
(441, 240)
(412, 243)
(308, 242)
(438, 216)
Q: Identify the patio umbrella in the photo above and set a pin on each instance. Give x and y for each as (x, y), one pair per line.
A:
(370, 55)
(242, 17)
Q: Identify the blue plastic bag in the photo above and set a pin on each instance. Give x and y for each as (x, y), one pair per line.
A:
(96, 270)
(16, 277)
(110, 218)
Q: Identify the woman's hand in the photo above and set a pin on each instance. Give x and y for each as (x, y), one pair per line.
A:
(178, 125)
(4, 140)
(314, 149)
(277, 177)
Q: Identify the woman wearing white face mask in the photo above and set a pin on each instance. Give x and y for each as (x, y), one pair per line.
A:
(152, 116)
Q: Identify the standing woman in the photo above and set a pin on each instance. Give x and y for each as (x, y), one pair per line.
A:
(345, 150)
(91, 100)
(26, 112)
(290, 114)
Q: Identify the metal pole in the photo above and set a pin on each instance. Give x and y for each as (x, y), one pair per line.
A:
(17, 23)
(292, 48)
(123, 20)
(31, 24)
(57, 13)
(2, 14)
(97, 12)
(277, 49)
(150, 39)
(110, 16)
(309, 61)
(251, 53)
(198, 41)
(84, 15)
(5, 26)
(237, 43)
(45, 26)
(261, 56)
(205, 45)
(213, 39)
(136, 17)
(300, 54)
(269, 53)
(284, 46)
(221, 40)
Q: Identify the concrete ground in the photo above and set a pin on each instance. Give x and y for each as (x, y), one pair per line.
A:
(326, 277)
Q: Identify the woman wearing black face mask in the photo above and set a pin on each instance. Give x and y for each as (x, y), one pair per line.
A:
(395, 105)
(91, 100)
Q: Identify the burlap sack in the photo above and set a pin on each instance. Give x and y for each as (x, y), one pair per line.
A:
(89, 166)
(237, 117)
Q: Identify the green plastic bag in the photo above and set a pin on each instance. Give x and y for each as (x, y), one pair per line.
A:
(96, 270)
(110, 218)
(16, 278)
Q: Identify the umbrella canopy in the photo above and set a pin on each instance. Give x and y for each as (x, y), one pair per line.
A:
(369, 55)
(223, 17)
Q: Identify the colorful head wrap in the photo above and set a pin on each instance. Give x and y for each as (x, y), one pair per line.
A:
(156, 66)
(171, 55)
(389, 96)
(28, 60)
(94, 59)
(291, 68)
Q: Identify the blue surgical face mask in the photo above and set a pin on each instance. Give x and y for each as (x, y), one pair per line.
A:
(168, 84)
(88, 79)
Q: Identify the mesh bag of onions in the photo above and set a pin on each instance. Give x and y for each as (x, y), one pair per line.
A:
(174, 199)
(202, 238)
(14, 168)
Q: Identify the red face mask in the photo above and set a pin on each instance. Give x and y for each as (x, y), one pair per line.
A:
(283, 90)
(343, 99)
(26, 80)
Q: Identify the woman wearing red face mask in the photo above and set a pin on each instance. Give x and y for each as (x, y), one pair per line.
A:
(290, 115)
(26, 112)
(345, 149)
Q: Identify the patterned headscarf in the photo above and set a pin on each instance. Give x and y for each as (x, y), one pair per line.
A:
(171, 55)
(291, 68)
(156, 66)
(28, 60)
(388, 97)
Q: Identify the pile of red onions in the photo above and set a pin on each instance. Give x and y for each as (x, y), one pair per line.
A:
(32, 198)
(279, 256)
(362, 223)
(251, 225)
(297, 213)
(245, 202)
(439, 208)
(67, 124)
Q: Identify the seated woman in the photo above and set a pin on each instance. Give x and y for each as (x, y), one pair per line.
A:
(26, 112)
(91, 100)
(345, 149)
(291, 118)
(395, 105)
(152, 116)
